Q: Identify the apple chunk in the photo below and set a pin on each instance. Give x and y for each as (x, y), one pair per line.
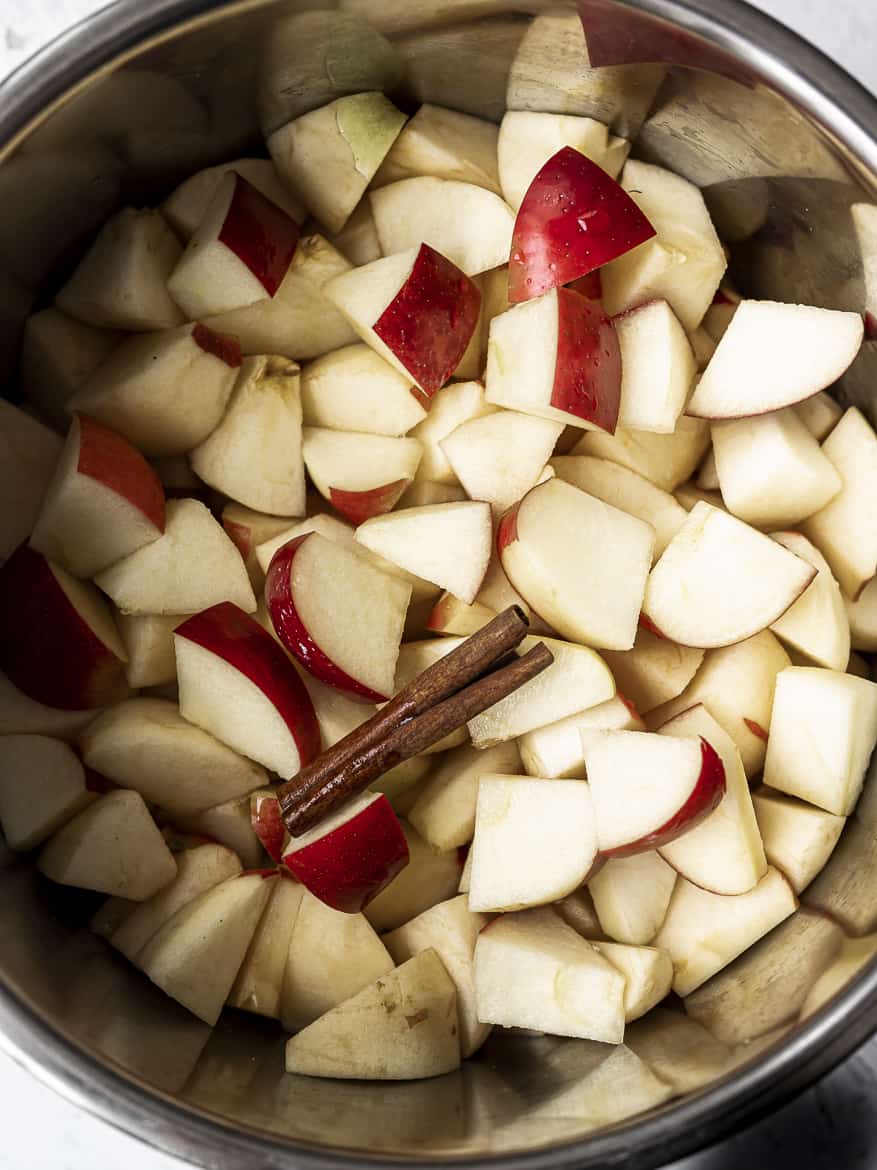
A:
(247, 528)
(654, 670)
(557, 749)
(431, 876)
(42, 786)
(816, 625)
(337, 614)
(259, 984)
(535, 841)
(557, 357)
(112, 846)
(58, 354)
(58, 641)
(355, 389)
(798, 838)
(19, 714)
(445, 144)
(449, 408)
(773, 355)
(416, 308)
(631, 896)
(657, 367)
(186, 206)
(666, 460)
(361, 475)
(587, 599)
(500, 456)
(648, 974)
(103, 503)
(401, 1027)
(29, 453)
(573, 219)
(720, 581)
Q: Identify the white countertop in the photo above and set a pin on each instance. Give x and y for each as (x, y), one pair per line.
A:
(43, 1132)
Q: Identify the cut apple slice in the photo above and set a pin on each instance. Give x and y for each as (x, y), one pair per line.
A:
(535, 841)
(720, 581)
(648, 790)
(573, 219)
(556, 357)
(355, 389)
(631, 896)
(121, 281)
(431, 876)
(248, 528)
(136, 391)
(58, 641)
(103, 502)
(113, 846)
(255, 454)
(820, 414)
(576, 680)
(186, 206)
(798, 838)
(325, 524)
(648, 974)
(417, 309)
(654, 671)
(592, 600)
(196, 955)
(149, 644)
(414, 659)
(147, 745)
(822, 732)
(577, 910)
(570, 989)
(773, 355)
(337, 614)
(258, 987)
(328, 156)
(192, 566)
(705, 932)
(450, 408)
(401, 1027)
(358, 240)
(451, 616)
(20, 714)
(666, 460)
(29, 453)
(361, 475)
(557, 750)
(657, 367)
(445, 144)
(268, 823)
(724, 853)
(472, 227)
(444, 811)
(862, 616)
(42, 786)
(228, 823)
(448, 544)
(816, 624)
(348, 858)
(236, 682)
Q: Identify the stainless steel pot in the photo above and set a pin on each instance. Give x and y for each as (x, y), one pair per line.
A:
(782, 142)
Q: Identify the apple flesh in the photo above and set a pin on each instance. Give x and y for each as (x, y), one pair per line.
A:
(631, 896)
(149, 644)
(820, 414)
(43, 785)
(361, 475)
(445, 144)
(247, 528)
(449, 408)
(798, 837)
(444, 811)
(267, 821)
(258, 987)
(358, 240)
(186, 206)
(648, 974)
(451, 616)
(229, 824)
(557, 750)
(431, 876)
(657, 367)
(844, 889)
(853, 955)
(385, 402)
(666, 460)
(862, 617)
(816, 625)
(29, 453)
(19, 714)
(654, 670)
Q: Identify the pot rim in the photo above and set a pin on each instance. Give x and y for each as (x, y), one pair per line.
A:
(845, 110)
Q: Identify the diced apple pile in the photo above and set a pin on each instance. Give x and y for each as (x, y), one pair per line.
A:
(288, 463)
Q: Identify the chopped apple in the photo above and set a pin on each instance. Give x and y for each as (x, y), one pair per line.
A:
(331, 957)
(654, 671)
(558, 749)
(724, 853)
(147, 745)
(450, 408)
(255, 454)
(19, 714)
(666, 460)
(417, 309)
(500, 456)
(657, 367)
(414, 659)
(862, 616)
(678, 1049)
(689, 494)
(121, 281)
(798, 837)
(112, 846)
(42, 786)
(844, 530)
(58, 641)
(268, 823)
(631, 896)
(258, 987)
(29, 453)
(535, 841)
(623, 488)
(569, 989)
(196, 955)
(708, 474)
(704, 932)
(720, 581)
(449, 615)
(354, 389)
(337, 614)
(703, 347)
(822, 732)
(820, 414)
(721, 312)
(469, 225)
(445, 144)
(186, 206)
(577, 910)
(774, 355)
(192, 566)
(556, 357)
(648, 974)
(432, 876)
(816, 625)
(586, 599)
(361, 475)
(444, 811)
(325, 524)
(853, 956)
(358, 240)
(844, 890)
(401, 1027)
(328, 156)
(577, 679)
(136, 391)
(229, 823)
(149, 644)
(248, 528)
(58, 354)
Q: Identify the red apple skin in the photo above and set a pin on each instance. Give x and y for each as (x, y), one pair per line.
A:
(587, 371)
(756, 729)
(706, 794)
(507, 529)
(646, 623)
(219, 345)
(47, 649)
(110, 459)
(230, 634)
(573, 219)
(240, 536)
(268, 823)
(590, 286)
(260, 234)
(870, 326)
(359, 506)
(349, 866)
(292, 632)
(430, 321)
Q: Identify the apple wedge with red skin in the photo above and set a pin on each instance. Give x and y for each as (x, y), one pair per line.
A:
(649, 789)
(58, 641)
(268, 822)
(348, 859)
(237, 683)
(361, 475)
(573, 219)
